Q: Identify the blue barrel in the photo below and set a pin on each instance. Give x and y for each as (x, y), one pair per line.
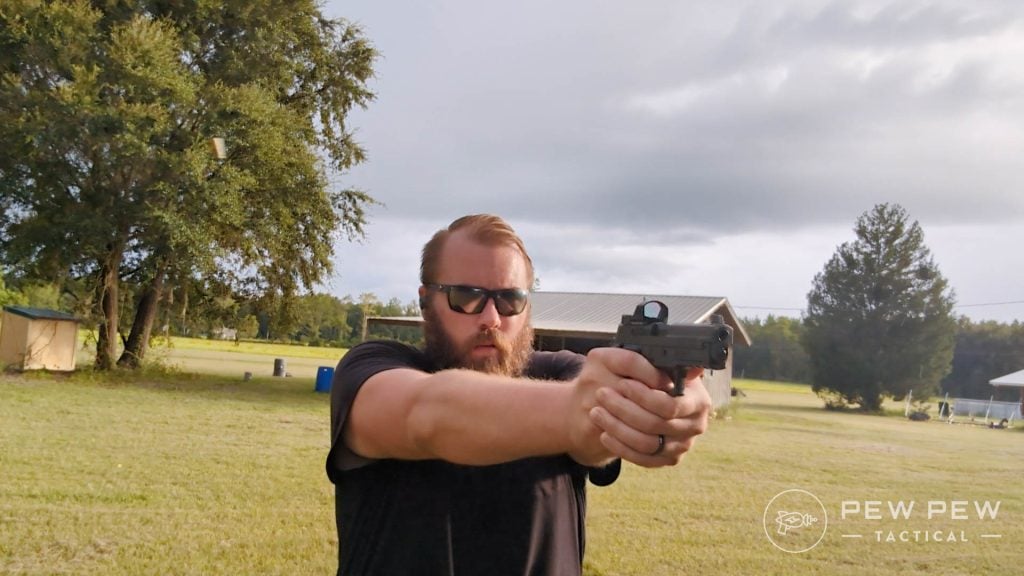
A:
(324, 375)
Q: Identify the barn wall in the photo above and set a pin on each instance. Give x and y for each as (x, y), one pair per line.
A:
(719, 384)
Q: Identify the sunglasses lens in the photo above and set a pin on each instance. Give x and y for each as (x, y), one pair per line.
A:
(466, 300)
(510, 302)
(472, 300)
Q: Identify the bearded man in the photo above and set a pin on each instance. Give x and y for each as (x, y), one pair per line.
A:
(471, 456)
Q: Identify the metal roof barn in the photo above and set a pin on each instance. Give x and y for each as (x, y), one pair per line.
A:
(1014, 380)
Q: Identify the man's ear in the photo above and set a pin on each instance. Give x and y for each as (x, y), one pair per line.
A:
(423, 297)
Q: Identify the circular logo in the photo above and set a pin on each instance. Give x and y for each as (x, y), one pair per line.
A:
(795, 521)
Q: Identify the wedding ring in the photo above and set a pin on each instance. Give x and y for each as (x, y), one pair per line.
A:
(661, 445)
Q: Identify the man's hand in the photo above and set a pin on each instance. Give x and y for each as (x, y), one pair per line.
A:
(584, 434)
(634, 410)
(605, 370)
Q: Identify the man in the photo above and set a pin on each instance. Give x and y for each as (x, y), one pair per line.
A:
(471, 456)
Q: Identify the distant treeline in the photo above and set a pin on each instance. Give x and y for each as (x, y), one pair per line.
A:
(984, 351)
(213, 311)
(325, 320)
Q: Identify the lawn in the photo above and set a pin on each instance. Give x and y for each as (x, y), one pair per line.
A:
(707, 515)
(176, 474)
(228, 358)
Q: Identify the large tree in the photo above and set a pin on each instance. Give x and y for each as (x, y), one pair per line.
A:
(107, 113)
(879, 319)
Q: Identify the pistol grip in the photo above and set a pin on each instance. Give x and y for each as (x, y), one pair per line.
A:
(678, 373)
(678, 376)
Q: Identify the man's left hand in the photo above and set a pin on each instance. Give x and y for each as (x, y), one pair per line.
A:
(647, 426)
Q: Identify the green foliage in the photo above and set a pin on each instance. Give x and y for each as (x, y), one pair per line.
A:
(369, 305)
(984, 351)
(106, 115)
(39, 295)
(776, 353)
(312, 319)
(879, 317)
(832, 399)
(321, 319)
(34, 294)
(10, 297)
(248, 327)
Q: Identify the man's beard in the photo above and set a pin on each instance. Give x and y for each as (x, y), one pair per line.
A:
(513, 353)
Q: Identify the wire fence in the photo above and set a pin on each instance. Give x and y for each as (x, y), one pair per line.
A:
(987, 409)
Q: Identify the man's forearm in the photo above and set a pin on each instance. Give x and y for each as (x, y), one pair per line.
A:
(471, 418)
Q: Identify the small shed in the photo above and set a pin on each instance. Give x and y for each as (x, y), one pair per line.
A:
(35, 338)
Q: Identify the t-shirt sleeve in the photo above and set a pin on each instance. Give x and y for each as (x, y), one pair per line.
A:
(355, 368)
(606, 475)
(561, 365)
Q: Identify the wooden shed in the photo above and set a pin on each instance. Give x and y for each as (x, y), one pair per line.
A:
(38, 339)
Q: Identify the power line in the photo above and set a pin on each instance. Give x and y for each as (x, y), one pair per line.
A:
(989, 304)
(975, 305)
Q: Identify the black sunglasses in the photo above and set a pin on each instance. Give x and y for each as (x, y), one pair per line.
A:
(473, 300)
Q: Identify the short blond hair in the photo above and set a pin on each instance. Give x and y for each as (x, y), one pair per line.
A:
(487, 229)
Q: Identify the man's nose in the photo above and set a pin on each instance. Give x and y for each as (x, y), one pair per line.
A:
(489, 317)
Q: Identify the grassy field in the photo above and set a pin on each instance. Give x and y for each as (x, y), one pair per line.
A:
(177, 474)
(227, 358)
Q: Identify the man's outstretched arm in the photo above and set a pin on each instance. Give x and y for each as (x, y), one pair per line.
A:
(473, 418)
(463, 416)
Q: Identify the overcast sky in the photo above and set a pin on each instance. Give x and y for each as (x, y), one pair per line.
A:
(704, 148)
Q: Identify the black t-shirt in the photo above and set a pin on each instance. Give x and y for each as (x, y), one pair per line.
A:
(433, 517)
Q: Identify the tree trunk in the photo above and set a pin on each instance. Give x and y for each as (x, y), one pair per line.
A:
(107, 298)
(145, 314)
(184, 311)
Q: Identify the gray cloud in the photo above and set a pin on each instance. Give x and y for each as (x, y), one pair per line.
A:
(638, 131)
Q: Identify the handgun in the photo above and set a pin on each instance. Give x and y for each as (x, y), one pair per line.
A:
(672, 348)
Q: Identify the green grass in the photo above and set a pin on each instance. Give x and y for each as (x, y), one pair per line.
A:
(706, 515)
(227, 358)
(249, 347)
(748, 385)
(177, 476)
(174, 474)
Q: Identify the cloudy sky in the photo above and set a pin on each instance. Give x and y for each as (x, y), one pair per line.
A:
(707, 148)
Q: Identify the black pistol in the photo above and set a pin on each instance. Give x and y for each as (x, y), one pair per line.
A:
(673, 348)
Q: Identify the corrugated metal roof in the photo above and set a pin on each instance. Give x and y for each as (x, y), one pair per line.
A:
(607, 309)
(1015, 380)
(599, 315)
(40, 313)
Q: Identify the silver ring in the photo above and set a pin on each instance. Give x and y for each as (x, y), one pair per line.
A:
(661, 445)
